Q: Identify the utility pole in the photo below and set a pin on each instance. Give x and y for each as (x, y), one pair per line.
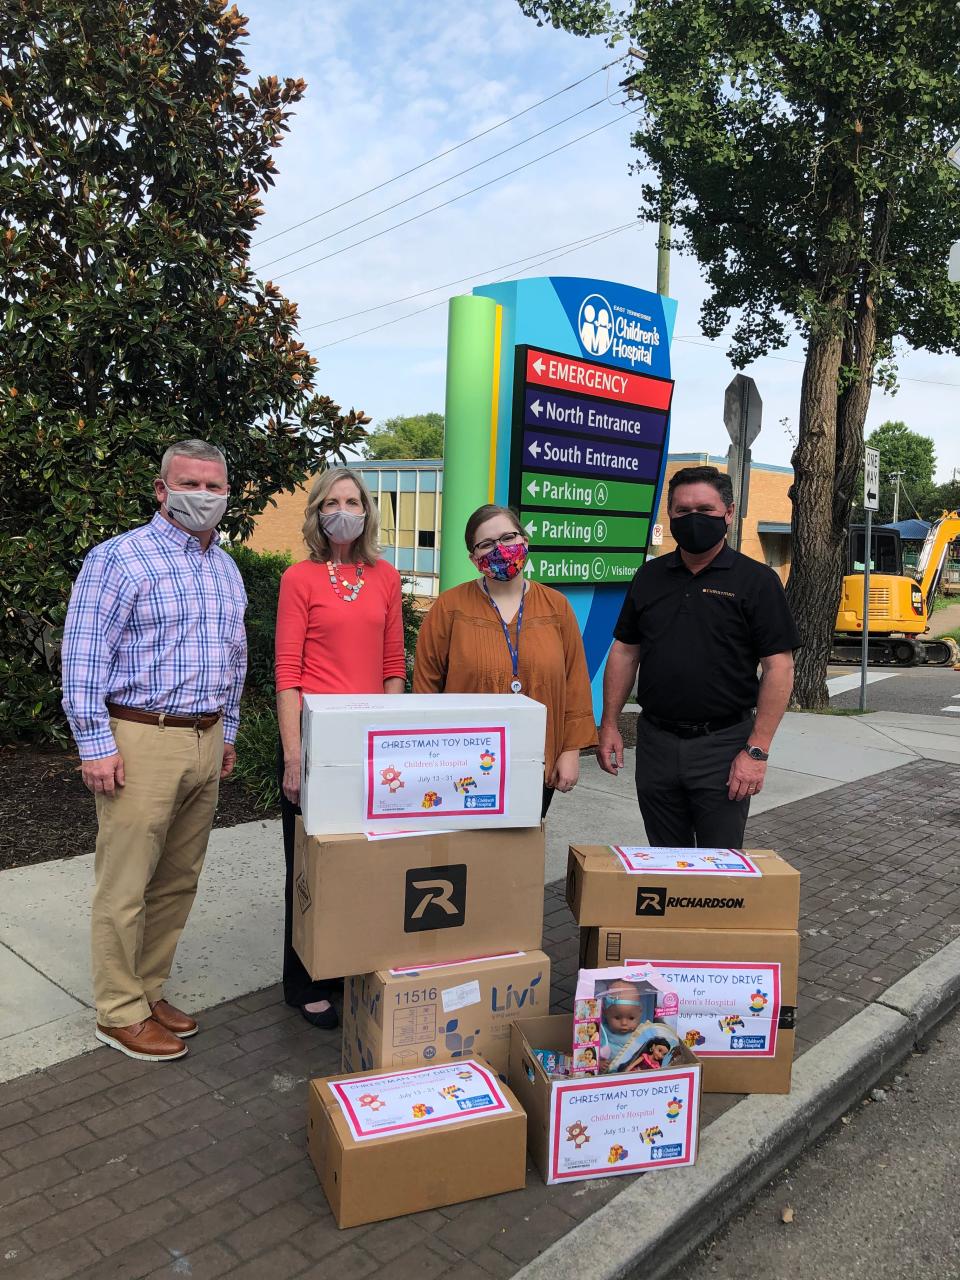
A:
(896, 477)
(663, 243)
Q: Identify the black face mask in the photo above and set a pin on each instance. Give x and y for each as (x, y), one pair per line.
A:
(698, 532)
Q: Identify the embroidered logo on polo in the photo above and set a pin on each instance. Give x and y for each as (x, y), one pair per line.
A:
(713, 591)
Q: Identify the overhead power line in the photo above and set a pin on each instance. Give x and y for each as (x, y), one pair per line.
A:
(571, 246)
(449, 151)
(453, 200)
(542, 262)
(433, 187)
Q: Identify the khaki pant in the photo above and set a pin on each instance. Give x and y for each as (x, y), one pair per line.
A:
(150, 849)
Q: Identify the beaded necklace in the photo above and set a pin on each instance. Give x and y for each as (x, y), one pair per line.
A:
(352, 587)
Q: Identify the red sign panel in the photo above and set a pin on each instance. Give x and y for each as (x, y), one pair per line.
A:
(570, 374)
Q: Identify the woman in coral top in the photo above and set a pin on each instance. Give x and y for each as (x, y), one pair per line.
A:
(502, 634)
(339, 630)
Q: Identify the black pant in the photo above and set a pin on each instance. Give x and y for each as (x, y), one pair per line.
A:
(682, 787)
(547, 797)
(298, 987)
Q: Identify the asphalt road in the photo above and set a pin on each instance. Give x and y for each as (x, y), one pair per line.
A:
(875, 1199)
(918, 690)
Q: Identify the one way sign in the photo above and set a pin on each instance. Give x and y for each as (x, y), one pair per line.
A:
(871, 480)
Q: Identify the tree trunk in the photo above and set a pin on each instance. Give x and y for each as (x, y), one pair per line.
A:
(813, 589)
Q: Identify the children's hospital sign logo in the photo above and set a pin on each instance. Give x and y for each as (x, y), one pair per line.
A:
(595, 325)
(626, 335)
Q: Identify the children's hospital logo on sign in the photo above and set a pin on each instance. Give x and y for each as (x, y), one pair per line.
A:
(595, 325)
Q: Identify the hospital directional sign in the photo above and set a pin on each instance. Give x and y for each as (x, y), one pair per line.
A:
(588, 446)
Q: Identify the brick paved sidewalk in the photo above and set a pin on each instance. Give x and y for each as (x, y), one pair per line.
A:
(113, 1168)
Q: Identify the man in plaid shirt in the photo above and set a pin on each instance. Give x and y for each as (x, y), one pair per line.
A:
(154, 657)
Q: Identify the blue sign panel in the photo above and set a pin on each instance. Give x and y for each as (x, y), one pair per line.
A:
(558, 411)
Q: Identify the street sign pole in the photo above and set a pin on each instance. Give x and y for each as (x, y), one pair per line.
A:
(742, 413)
(871, 503)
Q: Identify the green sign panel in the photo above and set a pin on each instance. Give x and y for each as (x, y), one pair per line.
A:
(570, 528)
(571, 493)
(570, 567)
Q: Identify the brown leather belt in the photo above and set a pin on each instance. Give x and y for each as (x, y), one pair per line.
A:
(206, 721)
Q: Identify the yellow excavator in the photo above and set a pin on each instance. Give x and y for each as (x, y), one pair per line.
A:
(900, 601)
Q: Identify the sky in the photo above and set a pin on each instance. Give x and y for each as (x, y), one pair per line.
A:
(390, 86)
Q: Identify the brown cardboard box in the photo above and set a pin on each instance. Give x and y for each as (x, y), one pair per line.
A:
(370, 1179)
(361, 905)
(601, 1126)
(721, 977)
(601, 892)
(442, 1012)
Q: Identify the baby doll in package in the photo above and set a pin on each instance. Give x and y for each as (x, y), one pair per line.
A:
(618, 1022)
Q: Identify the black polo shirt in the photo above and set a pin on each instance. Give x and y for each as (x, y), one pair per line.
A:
(702, 636)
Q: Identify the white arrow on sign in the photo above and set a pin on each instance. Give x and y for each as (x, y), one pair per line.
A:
(538, 365)
(528, 567)
(536, 408)
(533, 488)
(532, 527)
(534, 448)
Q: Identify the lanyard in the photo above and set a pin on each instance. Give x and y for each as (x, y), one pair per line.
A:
(512, 649)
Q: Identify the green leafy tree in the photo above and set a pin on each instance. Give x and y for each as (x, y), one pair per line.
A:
(417, 436)
(801, 149)
(943, 497)
(135, 149)
(905, 453)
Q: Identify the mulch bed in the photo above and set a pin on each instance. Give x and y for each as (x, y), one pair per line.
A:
(46, 812)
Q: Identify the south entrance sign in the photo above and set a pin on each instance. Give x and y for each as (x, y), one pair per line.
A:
(588, 451)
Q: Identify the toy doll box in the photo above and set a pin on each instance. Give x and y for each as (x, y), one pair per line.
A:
(735, 996)
(426, 1014)
(360, 905)
(601, 1126)
(682, 888)
(386, 1144)
(421, 762)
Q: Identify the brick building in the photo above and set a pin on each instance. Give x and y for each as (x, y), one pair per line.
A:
(409, 497)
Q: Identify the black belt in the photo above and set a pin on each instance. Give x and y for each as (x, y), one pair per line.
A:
(686, 729)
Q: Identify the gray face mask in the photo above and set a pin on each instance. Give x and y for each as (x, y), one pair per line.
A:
(196, 509)
(342, 526)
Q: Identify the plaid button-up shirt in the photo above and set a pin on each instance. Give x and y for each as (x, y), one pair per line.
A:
(154, 623)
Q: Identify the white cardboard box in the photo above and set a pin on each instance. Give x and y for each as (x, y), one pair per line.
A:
(421, 762)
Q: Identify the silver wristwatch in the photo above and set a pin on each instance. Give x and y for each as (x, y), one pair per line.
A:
(757, 753)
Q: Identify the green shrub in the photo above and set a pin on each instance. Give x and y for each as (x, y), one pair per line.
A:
(261, 572)
(256, 769)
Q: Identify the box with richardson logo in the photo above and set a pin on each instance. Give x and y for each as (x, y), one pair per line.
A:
(682, 888)
(407, 1017)
(601, 1126)
(364, 904)
(386, 1144)
(421, 762)
(735, 996)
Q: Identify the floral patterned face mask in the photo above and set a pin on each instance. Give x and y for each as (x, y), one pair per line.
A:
(503, 563)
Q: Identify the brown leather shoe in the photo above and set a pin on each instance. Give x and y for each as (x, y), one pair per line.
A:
(148, 1041)
(175, 1020)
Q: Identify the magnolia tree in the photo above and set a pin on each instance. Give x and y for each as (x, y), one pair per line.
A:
(802, 149)
(135, 151)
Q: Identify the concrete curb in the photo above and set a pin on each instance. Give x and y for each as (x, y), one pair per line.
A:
(658, 1221)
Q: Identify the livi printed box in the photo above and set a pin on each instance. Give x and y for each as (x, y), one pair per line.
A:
(734, 996)
(420, 762)
(409, 1017)
(682, 888)
(391, 1143)
(360, 905)
(603, 1126)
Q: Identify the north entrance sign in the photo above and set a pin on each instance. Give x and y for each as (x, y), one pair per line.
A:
(588, 445)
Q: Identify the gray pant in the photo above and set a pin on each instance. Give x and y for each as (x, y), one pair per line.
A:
(682, 787)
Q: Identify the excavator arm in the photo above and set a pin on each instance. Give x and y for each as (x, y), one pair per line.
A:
(933, 556)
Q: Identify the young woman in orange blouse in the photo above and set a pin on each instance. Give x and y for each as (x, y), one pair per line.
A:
(501, 634)
(339, 630)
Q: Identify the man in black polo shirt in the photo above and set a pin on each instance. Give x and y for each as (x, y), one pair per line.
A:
(696, 625)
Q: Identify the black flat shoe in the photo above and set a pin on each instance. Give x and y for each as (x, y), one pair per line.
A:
(326, 1019)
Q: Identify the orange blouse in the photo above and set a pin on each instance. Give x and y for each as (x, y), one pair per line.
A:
(462, 649)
